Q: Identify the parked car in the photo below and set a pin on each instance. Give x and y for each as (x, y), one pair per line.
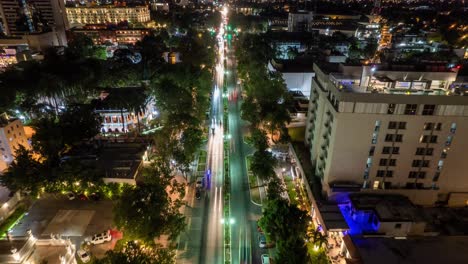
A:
(198, 194)
(83, 197)
(259, 229)
(100, 238)
(199, 182)
(71, 196)
(262, 241)
(83, 255)
(95, 196)
(265, 259)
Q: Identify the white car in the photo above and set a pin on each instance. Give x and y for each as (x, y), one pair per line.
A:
(199, 182)
(71, 196)
(84, 256)
(265, 259)
(101, 238)
(262, 241)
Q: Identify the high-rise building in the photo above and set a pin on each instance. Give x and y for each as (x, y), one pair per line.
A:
(389, 128)
(23, 17)
(11, 137)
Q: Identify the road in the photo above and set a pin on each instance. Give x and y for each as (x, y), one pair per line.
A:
(212, 247)
(202, 242)
(244, 248)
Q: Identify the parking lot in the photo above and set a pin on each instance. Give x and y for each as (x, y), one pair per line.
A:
(75, 219)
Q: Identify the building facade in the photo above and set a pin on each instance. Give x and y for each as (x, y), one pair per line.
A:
(100, 34)
(82, 15)
(388, 129)
(34, 16)
(12, 136)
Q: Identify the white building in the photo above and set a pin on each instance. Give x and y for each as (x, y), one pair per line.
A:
(297, 75)
(82, 15)
(11, 137)
(396, 129)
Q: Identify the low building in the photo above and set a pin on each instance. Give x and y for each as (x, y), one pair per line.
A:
(297, 74)
(386, 215)
(172, 57)
(117, 162)
(116, 118)
(328, 27)
(410, 250)
(82, 15)
(298, 109)
(121, 162)
(29, 250)
(103, 34)
(12, 136)
(299, 21)
(9, 201)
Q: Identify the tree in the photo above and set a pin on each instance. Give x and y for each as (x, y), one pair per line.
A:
(275, 189)
(24, 173)
(263, 164)
(283, 221)
(79, 122)
(291, 251)
(133, 253)
(147, 211)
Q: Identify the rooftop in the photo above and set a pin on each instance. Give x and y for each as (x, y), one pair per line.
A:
(299, 65)
(332, 217)
(116, 160)
(334, 24)
(413, 250)
(388, 207)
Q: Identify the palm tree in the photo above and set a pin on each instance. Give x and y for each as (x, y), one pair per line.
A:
(319, 239)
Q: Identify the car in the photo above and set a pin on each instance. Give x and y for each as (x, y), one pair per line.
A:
(262, 241)
(198, 194)
(259, 229)
(83, 197)
(100, 238)
(71, 196)
(83, 255)
(265, 259)
(95, 196)
(199, 182)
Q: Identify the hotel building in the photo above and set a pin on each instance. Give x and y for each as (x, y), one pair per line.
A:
(82, 15)
(389, 128)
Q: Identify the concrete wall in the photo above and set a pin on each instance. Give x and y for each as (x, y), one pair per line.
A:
(390, 228)
(299, 81)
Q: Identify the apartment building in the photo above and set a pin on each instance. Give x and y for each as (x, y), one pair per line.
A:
(11, 137)
(82, 15)
(389, 128)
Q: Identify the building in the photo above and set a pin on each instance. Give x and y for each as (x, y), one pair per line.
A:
(389, 128)
(297, 74)
(116, 118)
(30, 250)
(117, 162)
(34, 16)
(411, 250)
(101, 34)
(299, 22)
(82, 15)
(329, 27)
(12, 136)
